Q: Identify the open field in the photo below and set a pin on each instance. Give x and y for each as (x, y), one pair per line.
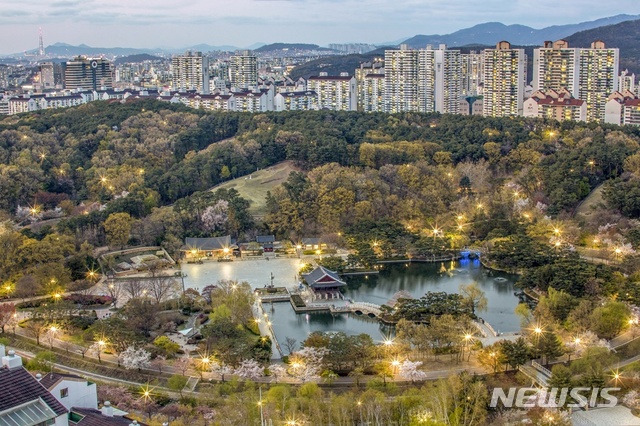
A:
(589, 205)
(255, 186)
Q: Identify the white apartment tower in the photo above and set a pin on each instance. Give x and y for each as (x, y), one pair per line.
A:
(504, 78)
(448, 80)
(589, 74)
(424, 80)
(598, 78)
(335, 93)
(191, 72)
(243, 70)
(401, 80)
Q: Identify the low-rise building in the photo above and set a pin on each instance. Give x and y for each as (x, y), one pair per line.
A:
(622, 108)
(556, 105)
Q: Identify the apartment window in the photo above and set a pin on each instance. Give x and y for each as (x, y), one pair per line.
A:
(64, 393)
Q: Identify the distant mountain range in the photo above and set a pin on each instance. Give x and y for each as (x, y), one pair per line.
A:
(624, 35)
(67, 50)
(491, 33)
(289, 46)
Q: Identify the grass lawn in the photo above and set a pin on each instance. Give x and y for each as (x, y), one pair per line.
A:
(590, 204)
(255, 189)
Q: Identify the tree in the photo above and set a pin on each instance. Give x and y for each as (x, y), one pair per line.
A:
(177, 383)
(473, 298)
(290, 344)
(221, 368)
(277, 370)
(134, 357)
(550, 346)
(168, 347)
(306, 364)
(516, 353)
(118, 228)
(159, 362)
(36, 325)
(96, 349)
(7, 312)
(215, 217)
(410, 370)
(609, 320)
(249, 369)
(357, 374)
(114, 290)
(183, 363)
(133, 287)
(160, 287)
(491, 357)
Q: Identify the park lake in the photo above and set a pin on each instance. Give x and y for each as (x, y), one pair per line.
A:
(414, 278)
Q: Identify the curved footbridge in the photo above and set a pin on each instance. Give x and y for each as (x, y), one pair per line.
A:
(359, 308)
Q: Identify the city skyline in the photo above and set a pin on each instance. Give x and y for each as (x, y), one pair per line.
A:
(111, 23)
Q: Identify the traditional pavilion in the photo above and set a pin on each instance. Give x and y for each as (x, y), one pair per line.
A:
(323, 279)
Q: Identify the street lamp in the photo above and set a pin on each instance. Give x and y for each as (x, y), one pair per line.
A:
(101, 345)
(53, 330)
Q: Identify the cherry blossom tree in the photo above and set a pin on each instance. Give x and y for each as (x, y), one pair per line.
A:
(306, 364)
(159, 362)
(182, 364)
(220, 368)
(133, 357)
(249, 369)
(578, 344)
(214, 217)
(96, 349)
(410, 370)
(277, 370)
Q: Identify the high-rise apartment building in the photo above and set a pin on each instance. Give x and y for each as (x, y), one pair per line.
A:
(335, 93)
(589, 74)
(504, 78)
(448, 80)
(401, 80)
(371, 90)
(243, 70)
(375, 69)
(88, 73)
(425, 80)
(190, 72)
(472, 73)
(598, 78)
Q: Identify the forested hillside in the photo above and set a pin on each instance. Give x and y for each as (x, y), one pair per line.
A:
(407, 177)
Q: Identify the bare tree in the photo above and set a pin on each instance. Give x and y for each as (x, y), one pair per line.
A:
(290, 343)
(113, 289)
(162, 287)
(133, 288)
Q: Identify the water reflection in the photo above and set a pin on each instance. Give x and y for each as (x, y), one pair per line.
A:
(415, 278)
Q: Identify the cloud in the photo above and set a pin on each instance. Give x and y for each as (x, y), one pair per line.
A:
(243, 22)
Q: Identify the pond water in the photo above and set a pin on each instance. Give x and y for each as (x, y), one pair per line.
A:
(415, 278)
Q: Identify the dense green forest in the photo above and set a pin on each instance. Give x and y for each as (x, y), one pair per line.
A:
(420, 184)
